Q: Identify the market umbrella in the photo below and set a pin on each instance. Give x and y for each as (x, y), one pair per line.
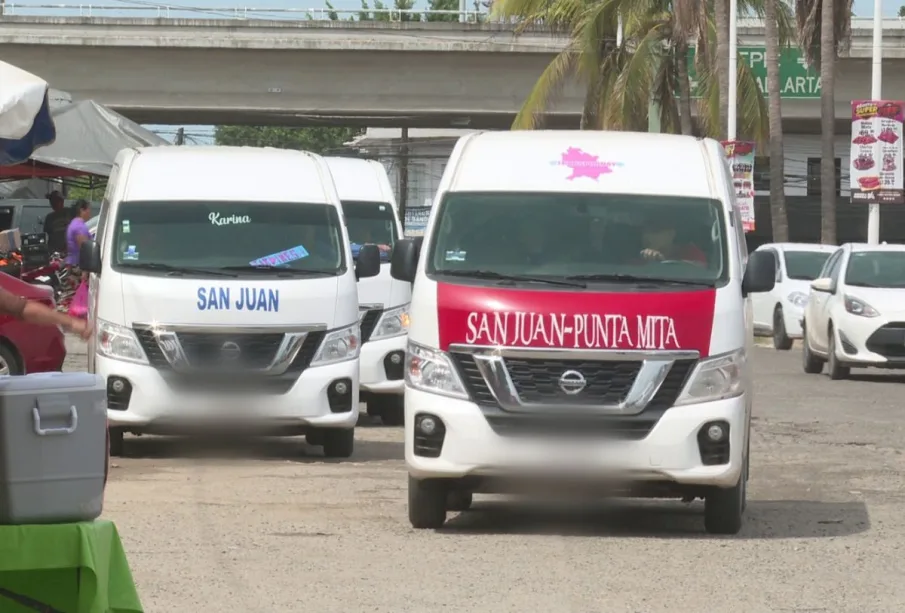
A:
(25, 120)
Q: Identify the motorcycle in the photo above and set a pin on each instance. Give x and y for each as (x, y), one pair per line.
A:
(58, 277)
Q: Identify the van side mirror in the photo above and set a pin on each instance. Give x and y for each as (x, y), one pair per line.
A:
(368, 262)
(760, 273)
(405, 260)
(824, 284)
(90, 257)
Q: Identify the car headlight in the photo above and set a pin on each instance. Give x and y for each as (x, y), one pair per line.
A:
(119, 343)
(339, 346)
(393, 322)
(798, 299)
(856, 306)
(715, 378)
(431, 370)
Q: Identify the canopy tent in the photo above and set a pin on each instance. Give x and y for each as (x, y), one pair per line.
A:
(25, 118)
(88, 138)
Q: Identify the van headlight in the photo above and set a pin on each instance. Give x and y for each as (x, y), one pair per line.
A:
(119, 343)
(431, 370)
(339, 346)
(715, 378)
(393, 322)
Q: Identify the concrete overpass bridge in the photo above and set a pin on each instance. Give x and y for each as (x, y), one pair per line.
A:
(321, 72)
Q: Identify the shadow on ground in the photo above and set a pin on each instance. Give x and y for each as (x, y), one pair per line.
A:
(238, 448)
(764, 519)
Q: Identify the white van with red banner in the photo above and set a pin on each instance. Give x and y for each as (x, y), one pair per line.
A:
(581, 311)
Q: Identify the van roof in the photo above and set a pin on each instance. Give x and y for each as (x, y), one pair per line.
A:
(226, 174)
(359, 179)
(586, 161)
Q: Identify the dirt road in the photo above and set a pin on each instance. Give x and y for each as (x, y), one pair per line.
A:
(274, 528)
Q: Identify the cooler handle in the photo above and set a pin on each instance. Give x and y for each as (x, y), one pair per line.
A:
(73, 420)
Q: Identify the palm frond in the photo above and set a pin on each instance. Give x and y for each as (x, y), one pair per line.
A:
(808, 15)
(548, 85)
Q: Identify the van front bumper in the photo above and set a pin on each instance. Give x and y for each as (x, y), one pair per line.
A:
(382, 364)
(153, 402)
(669, 452)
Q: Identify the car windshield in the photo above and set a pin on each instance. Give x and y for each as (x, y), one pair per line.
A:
(876, 269)
(805, 265)
(582, 237)
(234, 235)
(371, 223)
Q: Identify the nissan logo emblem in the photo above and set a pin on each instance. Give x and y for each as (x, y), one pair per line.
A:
(572, 382)
(230, 351)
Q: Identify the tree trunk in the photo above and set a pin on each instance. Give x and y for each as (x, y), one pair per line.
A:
(721, 17)
(681, 59)
(774, 100)
(591, 110)
(828, 124)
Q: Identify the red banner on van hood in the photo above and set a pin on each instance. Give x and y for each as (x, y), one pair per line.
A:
(575, 320)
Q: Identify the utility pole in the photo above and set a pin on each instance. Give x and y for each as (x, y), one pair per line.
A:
(876, 91)
(180, 136)
(403, 175)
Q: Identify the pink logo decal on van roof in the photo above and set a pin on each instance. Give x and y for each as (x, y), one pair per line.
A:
(584, 164)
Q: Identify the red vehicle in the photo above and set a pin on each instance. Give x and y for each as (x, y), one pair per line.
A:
(26, 347)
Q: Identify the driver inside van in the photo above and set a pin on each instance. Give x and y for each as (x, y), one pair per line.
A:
(658, 239)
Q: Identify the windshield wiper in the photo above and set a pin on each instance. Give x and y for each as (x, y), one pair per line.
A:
(489, 274)
(177, 270)
(269, 269)
(636, 278)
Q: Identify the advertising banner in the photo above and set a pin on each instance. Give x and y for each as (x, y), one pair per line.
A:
(741, 163)
(415, 221)
(876, 158)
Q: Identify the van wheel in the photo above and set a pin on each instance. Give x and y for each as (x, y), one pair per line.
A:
(781, 340)
(117, 443)
(390, 408)
(427, 503)
(338, 442)
(724, 507)
(836, 370)
(811, 363)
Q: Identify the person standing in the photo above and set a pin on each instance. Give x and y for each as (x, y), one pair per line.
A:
(77, 233)
(56, 223)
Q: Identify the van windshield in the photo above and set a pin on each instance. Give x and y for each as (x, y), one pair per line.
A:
(580, 236)
(371, 223)
(231, 235)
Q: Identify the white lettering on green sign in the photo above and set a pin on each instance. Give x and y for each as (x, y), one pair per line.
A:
(796, 79)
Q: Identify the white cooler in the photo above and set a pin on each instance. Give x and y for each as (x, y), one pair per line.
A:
(53, 447)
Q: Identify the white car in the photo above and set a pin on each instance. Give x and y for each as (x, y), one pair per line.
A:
(855, 315)
(778, 313)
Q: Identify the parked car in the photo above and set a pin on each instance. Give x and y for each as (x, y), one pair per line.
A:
(855, 316)
(27, 347)
(778, 313)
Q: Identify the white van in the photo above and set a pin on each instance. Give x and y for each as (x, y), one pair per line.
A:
(581, 310)
(221, 296)
(373, 218)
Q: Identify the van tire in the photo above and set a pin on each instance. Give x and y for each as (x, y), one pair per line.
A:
(836, 370)
(427, 503)
(338, 442)
(781, 340)
(390, 408)
(724, 508)
(811, 363)
(117, 442)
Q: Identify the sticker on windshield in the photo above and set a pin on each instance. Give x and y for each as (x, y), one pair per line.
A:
(282, 257)
(383, 207)
(126, 226)
(130, 253)
(217, 220)
(456, 255)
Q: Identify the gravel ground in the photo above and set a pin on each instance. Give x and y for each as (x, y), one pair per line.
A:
(275, 528)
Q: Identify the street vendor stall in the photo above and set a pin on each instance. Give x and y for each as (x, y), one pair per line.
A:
(56, 556)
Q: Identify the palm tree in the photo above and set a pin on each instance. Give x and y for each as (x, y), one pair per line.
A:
(721, 22)
(824, 26)
(774, 103)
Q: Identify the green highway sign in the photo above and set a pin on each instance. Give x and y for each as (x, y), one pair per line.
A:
(796, 79)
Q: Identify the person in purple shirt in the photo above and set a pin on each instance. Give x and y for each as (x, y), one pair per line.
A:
(77, 232)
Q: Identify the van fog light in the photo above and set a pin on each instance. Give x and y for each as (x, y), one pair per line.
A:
(429, 435)
(716, 433)
(427, 425)
(341, 388)
(396, 358)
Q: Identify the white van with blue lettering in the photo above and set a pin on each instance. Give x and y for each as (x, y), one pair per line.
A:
(372, 218)
(221, 297)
